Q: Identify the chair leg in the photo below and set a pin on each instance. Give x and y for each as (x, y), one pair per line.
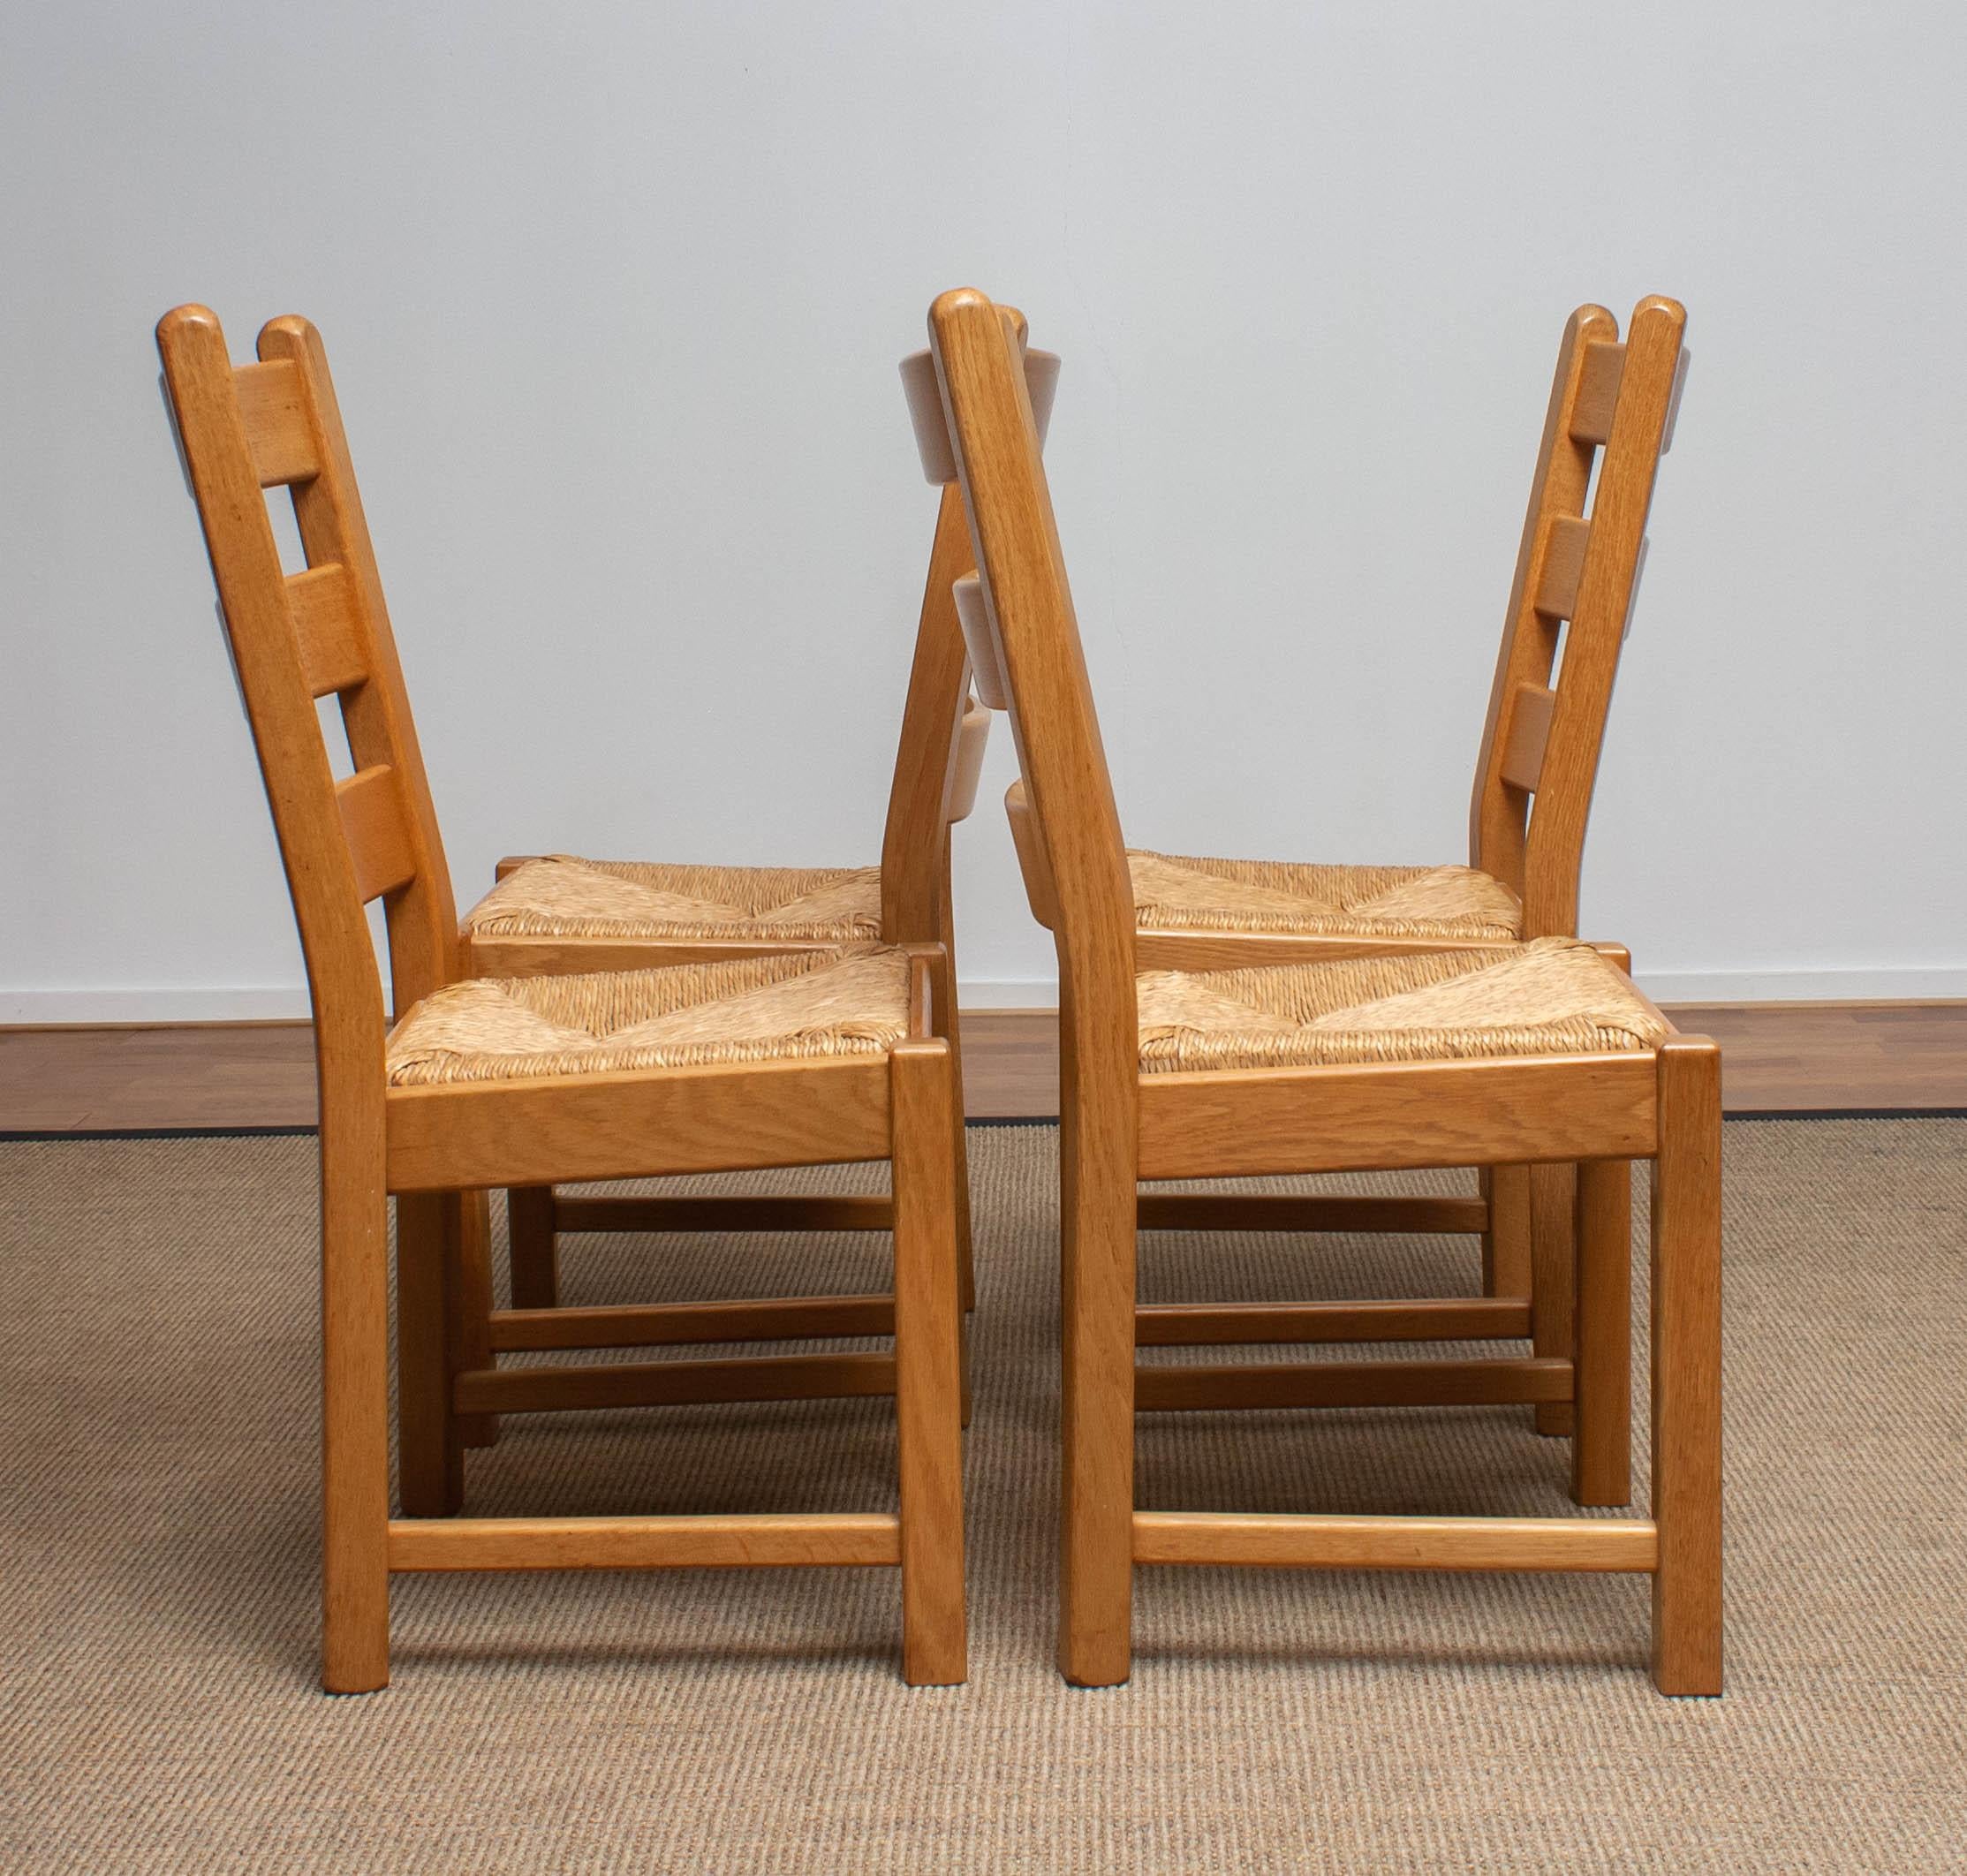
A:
(471, 1305)
(533, 1252)
(1687, 1370)
(355, 1417)
(1506, 1243)
(1097, 1245)
(1601, 1449)
(929, 1368)
(944, 991)
(1553, 1280)
(430, 1456)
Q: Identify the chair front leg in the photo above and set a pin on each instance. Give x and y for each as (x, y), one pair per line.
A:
(1687, 1370)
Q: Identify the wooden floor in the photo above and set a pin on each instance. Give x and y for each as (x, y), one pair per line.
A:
(1778, 1058)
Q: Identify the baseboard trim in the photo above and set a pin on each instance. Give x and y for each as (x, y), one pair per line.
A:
(144, 1005)
(135, 1008)
(1892, 984)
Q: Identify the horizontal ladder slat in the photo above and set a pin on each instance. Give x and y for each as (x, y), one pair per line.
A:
(1313, 1542)
(1033, 863)
(1491, 1382)
(377, 824)
(1195, 1325)
(273, 401)
(987, 664)
(1528, 735)
(644, 1543)
(870, 1211)
(966, 760)
(1597, 391)
(672, 1383)
(321, 604)
(1563, 566)
(646, 1325)
(1308, 1211)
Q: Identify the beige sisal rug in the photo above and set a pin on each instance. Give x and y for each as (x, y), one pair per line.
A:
(157, 1529)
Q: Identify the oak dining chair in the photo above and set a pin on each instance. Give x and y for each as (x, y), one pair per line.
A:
(1540, 1052)
(1612, 408)
(820, 1055)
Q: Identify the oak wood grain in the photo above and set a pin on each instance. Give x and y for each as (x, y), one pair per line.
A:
(1233, 1124)
(1686, 1305)
(626, 1125)
(1315, 1542)
(756, 1541)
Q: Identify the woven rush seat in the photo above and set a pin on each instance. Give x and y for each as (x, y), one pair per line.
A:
(1553, 996)
(802, 1004)
(565, 898)
(1180, 893)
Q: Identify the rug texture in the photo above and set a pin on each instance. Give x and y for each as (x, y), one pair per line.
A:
(158, 1530)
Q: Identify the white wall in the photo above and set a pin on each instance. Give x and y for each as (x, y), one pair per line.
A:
(615, 293)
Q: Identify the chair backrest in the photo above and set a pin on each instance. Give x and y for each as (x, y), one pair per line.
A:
(298, 638)
(1024, 629)
(944, 728)
(1571, 603)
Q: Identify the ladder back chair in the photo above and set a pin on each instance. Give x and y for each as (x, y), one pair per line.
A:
(831, 1054)
(1573, 587)
(1472, 1057)
(557, 914)
(1612, 407)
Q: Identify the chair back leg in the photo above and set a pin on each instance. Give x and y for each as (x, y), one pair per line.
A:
(928, 1365)
(1097, 1191)
(355, 1417)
